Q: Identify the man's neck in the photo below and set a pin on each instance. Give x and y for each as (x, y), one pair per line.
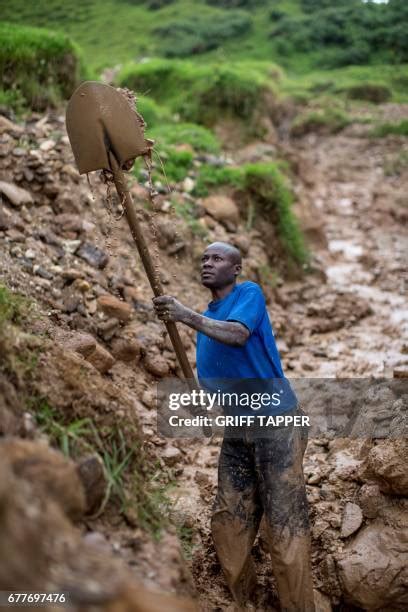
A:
(222, 292)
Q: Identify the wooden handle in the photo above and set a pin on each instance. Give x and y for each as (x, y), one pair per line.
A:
(127, 202)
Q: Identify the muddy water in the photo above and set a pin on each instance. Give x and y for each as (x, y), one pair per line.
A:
(366, 256)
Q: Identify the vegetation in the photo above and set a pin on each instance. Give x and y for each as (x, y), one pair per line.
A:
(387, 129)
(263, 191)
(127, 470)
(200, 94)
(13, 307)
(186, 37)
(38, 67)
(299, 34)
(328, 120)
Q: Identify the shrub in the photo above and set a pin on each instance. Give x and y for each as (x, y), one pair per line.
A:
(152, 113)
(192, 36)
(328, 120)
(201, 93)
(370, 92)
(197, 136)
(387, 129)
(228, 4)
(38, 66)
(270, 196)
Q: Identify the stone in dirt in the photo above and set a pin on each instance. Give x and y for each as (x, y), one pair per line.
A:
(101, 359)
(371, 500)
(386, 464)
(86, 345)
(16, 195)
(8, 126)
(48, 471)
(92, 474)
(156, 365)
(352, 519)
(222, 208)
(113, 307)
(373, 568)
(126, 350)
(171, 455)
(93, 255)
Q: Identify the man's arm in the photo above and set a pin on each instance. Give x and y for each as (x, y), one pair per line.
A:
(228, 332)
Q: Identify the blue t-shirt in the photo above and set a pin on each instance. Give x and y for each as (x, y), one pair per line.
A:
(257, 364)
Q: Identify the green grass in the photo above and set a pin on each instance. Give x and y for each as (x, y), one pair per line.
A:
(396, 164)
(294, 33)
(13, 307)
(133, 482)
(327, 120)
(388, 129)
(39, 68)
(203, 93)
(338, 82)
(198, 137)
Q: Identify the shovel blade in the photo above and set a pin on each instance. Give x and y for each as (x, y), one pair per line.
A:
(99, 119)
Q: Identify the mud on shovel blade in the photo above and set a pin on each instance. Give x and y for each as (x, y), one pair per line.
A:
(105, 133)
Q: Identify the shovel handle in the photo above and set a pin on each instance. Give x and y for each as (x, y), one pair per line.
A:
(136, 230)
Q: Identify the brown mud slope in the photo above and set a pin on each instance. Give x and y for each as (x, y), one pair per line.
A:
(91, 351)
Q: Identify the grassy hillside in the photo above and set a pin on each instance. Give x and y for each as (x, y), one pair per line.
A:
(298, 34)
(38, 67)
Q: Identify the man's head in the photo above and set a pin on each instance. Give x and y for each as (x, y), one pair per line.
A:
(220, 265)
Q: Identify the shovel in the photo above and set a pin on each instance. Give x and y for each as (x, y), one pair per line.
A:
(105, 133)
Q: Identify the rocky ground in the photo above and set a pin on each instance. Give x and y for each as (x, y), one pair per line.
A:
(65, 246)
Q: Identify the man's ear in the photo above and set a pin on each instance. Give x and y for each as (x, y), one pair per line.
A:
(238, 269)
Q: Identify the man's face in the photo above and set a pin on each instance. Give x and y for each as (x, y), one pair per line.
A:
(217, 268)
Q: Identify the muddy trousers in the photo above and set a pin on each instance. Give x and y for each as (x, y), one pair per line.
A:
(263, 476)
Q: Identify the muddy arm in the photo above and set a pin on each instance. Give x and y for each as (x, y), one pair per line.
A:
(228, 332)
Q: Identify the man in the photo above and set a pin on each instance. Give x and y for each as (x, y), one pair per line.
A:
(257, 474)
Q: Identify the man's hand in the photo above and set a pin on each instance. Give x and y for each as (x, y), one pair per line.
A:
(169, 309)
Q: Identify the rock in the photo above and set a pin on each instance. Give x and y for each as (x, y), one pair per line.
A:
(108, 329)
(371, 500)
(84, 344)
(70, 300)
(48, 471)
(93, 255)
(18, 152)
(69, 222)
(242, 242)
(16, 195)
(222, 208)
(149, 398)
(101, 359)
(47, 145)
(30, 254)
(113, 307)
(92, 474)
(171, 455)
(97, 540)
(5, 218)
(386, 464)
(373, 568)
(352, 519)
(126, 350)
(7, 126)
(156, 365)
(188, 184)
